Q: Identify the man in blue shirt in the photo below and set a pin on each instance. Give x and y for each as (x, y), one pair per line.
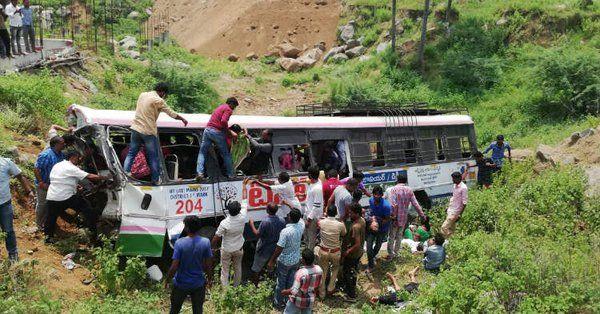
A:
(8, 170)
(435, 254)
(192, 256)
(498, 147)
(43, 165)
(287, 255)
(28, 28)
(378, 224)
(268, 235)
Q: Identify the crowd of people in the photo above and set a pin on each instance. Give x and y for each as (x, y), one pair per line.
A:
(21, 25)
(313, 252)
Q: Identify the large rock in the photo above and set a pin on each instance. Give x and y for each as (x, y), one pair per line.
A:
(310, 57)
(347, 32)
(233, 57)
(588, 132)
(252, 56)
(573, 139)
(132, 54)
(355, 52)
(128, 43)
(288, 51)
(289, 64)
(382, 46)
(332, 52)
(352, 43)
(339, 57)
(545, 153)
(133, 15)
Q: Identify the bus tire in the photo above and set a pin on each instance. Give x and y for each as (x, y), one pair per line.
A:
(423, 199)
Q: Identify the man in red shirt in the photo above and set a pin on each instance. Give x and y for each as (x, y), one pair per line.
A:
(330, 184)
(216, 132)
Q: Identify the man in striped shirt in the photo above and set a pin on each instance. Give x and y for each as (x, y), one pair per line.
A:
(306, 285)
(400, 196)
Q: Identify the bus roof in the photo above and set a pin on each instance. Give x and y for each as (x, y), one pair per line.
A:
(199, 121)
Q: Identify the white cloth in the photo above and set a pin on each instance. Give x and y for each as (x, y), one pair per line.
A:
(314, 201)
(63, 181)
(231, 231)
(286, 192)
(15, 19)
(412, 244)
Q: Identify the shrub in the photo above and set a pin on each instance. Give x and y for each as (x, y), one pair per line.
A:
(570, 83)
(110, 279)
(243, 298)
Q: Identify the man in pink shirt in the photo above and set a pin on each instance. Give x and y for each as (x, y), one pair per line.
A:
(216, 132)
(457, 205)
(400, 196)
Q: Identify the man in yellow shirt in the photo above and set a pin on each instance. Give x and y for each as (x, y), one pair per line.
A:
(144, 130)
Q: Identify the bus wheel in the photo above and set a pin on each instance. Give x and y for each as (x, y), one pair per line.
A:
(423, 199)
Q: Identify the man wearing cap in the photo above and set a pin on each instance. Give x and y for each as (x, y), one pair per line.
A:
(498, 147)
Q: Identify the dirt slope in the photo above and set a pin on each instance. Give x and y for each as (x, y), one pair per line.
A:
(218, 28)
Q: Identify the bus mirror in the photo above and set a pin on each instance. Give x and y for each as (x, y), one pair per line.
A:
(146, 201)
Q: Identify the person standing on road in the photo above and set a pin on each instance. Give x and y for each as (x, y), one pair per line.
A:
(287, 255)
(378, 218)
(498, 147)
(231, 234)
(314, 206)
(42, 168)
(302, 294)
(144, 130)
(191, 268)
(400, 196)
(28, 28)
(268, 235)
(9, 170)
(15, 20)
(216, 133)
(329, 250)
(458, 203)
(4, 36)
(353, 251)
(62, 194)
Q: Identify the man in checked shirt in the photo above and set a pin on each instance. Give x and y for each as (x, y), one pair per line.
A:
(400, 196)
(306, 285)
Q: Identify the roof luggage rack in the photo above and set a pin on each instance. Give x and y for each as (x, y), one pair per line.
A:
(373, 109)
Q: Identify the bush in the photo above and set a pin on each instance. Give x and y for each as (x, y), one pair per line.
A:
(110, 279)
(570, 83)
(243, 298)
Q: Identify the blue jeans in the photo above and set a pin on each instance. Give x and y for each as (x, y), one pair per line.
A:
(6, 223)
(151, 144)
(217, 137)
(291, 308)
(285, 279)
(374, 241)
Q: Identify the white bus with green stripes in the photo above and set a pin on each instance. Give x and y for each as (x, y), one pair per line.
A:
(427, 145)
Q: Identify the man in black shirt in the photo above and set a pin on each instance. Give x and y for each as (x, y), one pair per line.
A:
(486, 168)
(259, 159)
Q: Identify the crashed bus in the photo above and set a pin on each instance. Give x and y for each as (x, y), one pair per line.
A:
(427, 145)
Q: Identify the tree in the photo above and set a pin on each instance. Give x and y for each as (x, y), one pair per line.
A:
(423, 37)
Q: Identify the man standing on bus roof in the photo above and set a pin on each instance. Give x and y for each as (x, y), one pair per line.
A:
(144, 129)
(498, 147)
(400, 196)
(216, 132)
(458, 203)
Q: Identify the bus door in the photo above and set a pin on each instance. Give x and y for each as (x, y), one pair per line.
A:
(330, 150)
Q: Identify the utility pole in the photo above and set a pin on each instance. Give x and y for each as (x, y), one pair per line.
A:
(393, 30)
(423, 37)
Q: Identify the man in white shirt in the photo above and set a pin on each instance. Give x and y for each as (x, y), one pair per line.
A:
(62, 194)
(458, 203)
(231, 234)
(285, 191)
(15, 20)
(314, 207)
(342, 198)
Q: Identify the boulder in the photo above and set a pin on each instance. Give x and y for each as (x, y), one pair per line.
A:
(252, 56)
(127, 43)
(133, 15)
(347, 32)
(352, 43)
(332, 52)
(233, 57)
(339, 57)
(364, 58)
(132, 54)
(588, 132)
(289, 64)
(382, 46)
(321, 46)
(355, 52)
(573, 139)
(544, 153)
(288, 51)
(321, 2)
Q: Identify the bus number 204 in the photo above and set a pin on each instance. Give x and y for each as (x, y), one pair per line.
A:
(188, 206)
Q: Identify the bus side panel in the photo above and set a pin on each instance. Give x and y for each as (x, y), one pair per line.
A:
(142, 231)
